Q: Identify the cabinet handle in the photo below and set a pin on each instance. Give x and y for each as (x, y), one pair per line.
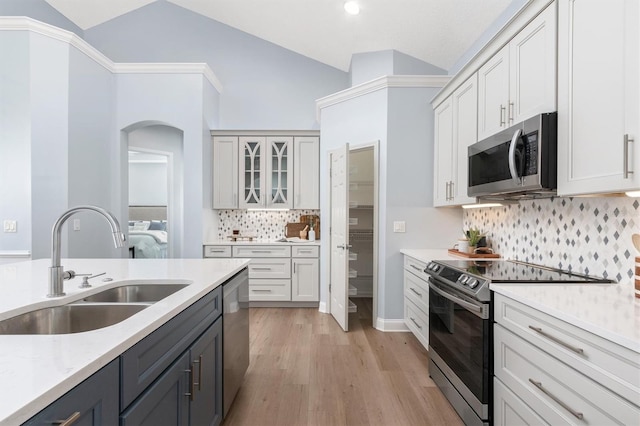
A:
(416, 268)
(414, 290)
(452, 189)
(216, 251)
(502, 111)
(575, 413)
(294, 268)
(69, 420)
(199, 382)
(304, 251)
(261, 269)
(414, 321)
(446, 195)
(260, 251)
(511, 112)
(625, 167)
(558, 341)
(191, 392)
(258, 290)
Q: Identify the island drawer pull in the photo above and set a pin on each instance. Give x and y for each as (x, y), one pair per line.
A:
(261, 251)
(261, 290)
(414, 290)
(69, 420)
(261, 268)
(191, 393)
(558, 341)
(417, 268)
(575, 413)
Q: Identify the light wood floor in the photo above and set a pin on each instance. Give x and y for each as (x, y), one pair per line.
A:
(305, 370)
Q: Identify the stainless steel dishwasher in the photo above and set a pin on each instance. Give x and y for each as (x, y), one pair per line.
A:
(235, 336)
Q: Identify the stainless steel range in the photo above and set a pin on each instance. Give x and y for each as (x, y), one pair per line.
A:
(460, 326)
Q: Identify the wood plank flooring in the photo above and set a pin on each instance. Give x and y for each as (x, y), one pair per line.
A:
(305, 370)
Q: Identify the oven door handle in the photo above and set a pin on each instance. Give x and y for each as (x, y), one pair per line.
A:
(478, 310)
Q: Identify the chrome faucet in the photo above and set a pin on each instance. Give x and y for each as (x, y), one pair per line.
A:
(57, 273)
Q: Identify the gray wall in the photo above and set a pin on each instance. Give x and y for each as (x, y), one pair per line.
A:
(265, 86)
(147, 183)
(370, 65)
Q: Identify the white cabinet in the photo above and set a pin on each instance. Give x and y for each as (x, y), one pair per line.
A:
(598, 96)
(306, 172)
(266, 177)
(455, 129)
(225, 172)
(277, 272)
(519, 81)
(549, 370)
(416, 299)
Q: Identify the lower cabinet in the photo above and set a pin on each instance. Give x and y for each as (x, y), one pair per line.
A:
(550, 372)
(416, 299)
(92, 402)
(188, 392)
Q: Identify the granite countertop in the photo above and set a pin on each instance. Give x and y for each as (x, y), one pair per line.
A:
(260, 242)
(610, 311)
(41, 368)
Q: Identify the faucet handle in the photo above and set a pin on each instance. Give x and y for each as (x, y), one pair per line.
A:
(86, 278)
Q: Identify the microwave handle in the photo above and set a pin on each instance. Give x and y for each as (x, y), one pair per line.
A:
(512, 157)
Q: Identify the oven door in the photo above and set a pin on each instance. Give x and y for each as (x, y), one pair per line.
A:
(459, 344)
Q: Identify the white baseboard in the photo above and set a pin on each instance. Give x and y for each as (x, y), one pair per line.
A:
(323, 307)
(391, 325)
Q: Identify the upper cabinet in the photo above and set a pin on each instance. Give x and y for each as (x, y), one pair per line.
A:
(455, 130)
(266, 172)
(598, 148)
(306, 172)
(519, 81)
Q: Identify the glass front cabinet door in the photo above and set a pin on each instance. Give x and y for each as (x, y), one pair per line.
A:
(266, 177)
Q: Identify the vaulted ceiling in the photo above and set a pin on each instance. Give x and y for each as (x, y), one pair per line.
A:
(435, 31)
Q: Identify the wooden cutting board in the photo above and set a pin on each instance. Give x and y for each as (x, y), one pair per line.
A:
(292, 229)
(312, 218)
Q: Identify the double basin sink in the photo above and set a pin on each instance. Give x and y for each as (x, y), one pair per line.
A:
(99, 310)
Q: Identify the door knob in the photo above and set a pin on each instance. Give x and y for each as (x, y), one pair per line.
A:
(345, 246)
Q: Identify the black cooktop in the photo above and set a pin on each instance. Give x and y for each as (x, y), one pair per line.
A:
(502, 271)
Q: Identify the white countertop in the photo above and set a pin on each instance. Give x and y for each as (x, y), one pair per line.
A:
(35, 370)
(259, 242)
(610, 311)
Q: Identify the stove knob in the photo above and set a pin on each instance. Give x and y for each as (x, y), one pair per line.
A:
(436, 268)
(473, 283)
(463, 279)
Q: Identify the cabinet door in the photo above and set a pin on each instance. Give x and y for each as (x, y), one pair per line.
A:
(165, 402)
(532, 64)
(252, 172)
(493, 94)
(598, 96)
(510, 410)
(225, 172)
(305, 280)
(306, 172)
(279, 178)
(465, 125)
(93, 402)
(206, 384)
(443, 161)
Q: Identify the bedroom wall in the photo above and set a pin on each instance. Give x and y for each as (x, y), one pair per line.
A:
(147, 184)
(265, 86)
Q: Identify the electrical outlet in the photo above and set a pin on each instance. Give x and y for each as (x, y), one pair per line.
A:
(10, 226)
(76, 224)
(399, 226)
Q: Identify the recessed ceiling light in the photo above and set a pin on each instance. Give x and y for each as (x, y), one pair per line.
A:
(352, 7)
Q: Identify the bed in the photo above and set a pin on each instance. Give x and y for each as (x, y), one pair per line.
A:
(148, 232)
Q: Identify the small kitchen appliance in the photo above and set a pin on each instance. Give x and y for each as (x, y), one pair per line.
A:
(460, 326)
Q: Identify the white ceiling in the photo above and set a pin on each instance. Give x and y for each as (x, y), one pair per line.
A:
(435, 31)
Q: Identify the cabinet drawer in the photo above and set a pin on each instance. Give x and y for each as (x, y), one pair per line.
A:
(262, 251)
(217, 251)
(510, 410)
(416, 266)
(417, 321)
(417, 290)
(270, 290)
(612, 365)
(270, 268)
(306, 251)
(557, 392)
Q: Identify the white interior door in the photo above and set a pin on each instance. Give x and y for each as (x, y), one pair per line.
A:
(339, 236)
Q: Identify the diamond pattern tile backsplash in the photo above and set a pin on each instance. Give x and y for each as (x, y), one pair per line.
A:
(263, 225)
(586, 235)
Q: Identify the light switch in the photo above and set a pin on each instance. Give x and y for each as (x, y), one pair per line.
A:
(398, 226)
(76, 224)
(10, 226)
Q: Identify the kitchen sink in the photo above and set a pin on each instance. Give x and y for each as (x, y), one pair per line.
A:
(135, 293)
(66, 319)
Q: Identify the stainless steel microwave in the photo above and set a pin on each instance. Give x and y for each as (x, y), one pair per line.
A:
(519, 162)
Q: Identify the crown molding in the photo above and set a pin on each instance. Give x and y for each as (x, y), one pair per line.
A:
(23, 23)
(381, 83)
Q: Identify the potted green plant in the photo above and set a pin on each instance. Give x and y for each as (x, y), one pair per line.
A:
(474, 236)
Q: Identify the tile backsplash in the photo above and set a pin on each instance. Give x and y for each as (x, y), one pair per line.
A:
(263, 224)
(586, 235)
